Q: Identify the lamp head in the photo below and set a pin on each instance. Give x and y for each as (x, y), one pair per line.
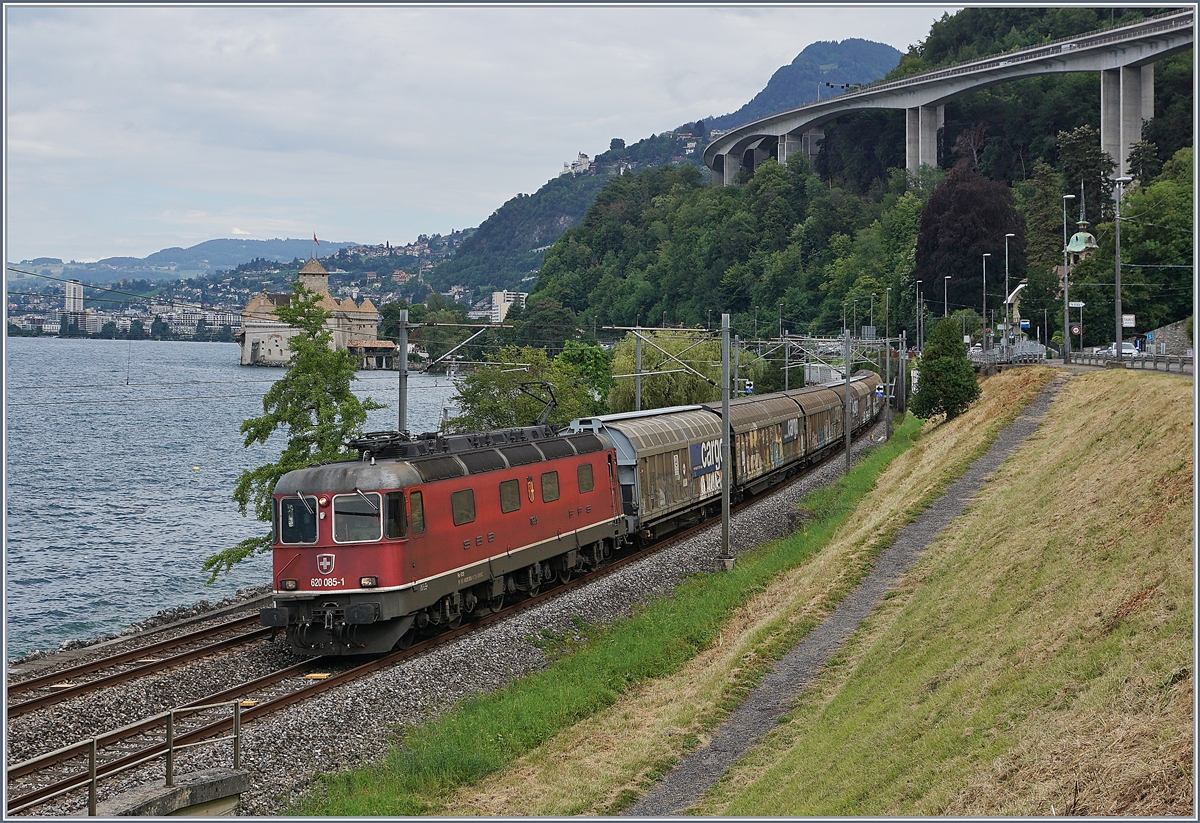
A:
(1123, 180)
(1068, 197)
(1010, 234)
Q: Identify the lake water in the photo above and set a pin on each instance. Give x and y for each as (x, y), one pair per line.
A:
(120, 459)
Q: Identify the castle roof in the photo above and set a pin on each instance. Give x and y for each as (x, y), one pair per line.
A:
(313, 267)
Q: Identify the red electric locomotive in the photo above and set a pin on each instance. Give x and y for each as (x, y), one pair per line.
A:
(420, 531)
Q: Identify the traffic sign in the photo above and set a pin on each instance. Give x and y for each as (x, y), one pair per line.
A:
(1076, 304)
(879, 391)
(1127, 321)
(1024, 324)
(1075, 330)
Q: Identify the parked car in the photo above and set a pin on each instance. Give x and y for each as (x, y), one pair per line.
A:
(1128, 350)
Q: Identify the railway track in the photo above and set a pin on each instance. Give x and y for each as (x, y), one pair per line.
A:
(65, 684)
(38, 779)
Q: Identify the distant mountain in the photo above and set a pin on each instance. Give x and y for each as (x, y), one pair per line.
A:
(203, 258)
(852, 61)
(507, 250)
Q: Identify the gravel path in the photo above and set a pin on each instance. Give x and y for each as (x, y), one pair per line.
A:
(356, 724)
(773, 698)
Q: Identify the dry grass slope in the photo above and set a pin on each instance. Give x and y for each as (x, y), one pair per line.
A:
(1039, 660)
(595, 766)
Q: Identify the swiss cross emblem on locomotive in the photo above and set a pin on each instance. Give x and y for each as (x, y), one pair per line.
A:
(325, 563)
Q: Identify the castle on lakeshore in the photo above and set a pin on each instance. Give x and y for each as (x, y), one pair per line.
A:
(354, 326)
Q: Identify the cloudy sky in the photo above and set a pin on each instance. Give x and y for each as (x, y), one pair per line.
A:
(133, 129)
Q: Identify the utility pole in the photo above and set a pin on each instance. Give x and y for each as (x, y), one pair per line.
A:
(917, 309)
(887, 380)
(1007, 329)
(726, 469)
(846, 410)
(787, 363)
(983, 317)
(1120, 181)
(1066, 287)
(402, 423)
(637, 369)
(737, 360)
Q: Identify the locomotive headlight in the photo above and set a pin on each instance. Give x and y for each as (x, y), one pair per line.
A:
(368, 582)
(287, 585)
(322, 501)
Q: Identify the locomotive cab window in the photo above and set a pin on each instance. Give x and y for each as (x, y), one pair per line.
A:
(416, 506)
(356, 517)
(462, 505)
(510, 496)
(394, 524)
(586, 481)
(298, 520)
(550, 486)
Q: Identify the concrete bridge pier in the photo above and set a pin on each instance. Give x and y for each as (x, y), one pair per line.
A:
(1126, 102)
(920, 136)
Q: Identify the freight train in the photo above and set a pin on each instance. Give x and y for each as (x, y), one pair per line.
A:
(420, 531)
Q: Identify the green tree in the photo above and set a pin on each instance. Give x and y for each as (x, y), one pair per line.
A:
(109, 330)
(136, 330)
(158, 329)
(313, 403)
(1083, 164)
(494, 397)
(677, 388)
(965, 218)
(946, 381)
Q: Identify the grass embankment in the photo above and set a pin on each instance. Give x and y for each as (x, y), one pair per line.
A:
(1039, 659)
(587, 734)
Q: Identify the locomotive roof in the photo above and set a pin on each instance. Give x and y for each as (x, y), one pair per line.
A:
(373, 471)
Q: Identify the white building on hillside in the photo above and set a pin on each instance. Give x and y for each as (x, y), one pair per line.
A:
(502, 301)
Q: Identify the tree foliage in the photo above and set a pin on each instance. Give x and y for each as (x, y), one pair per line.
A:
(312, 403)
(679, 388)
(965, 218)
(492, 397)
(946, 381)
(1157, 242)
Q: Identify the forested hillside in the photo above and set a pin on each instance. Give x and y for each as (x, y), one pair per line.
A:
(1005, 129)
(507, 249)
(795, 249)
(850, 62)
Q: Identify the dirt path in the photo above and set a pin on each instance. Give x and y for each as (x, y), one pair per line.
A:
(774, 696)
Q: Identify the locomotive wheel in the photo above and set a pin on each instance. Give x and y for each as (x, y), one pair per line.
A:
(406, 639)
(454, 622)
(564, 574)
(496, 603)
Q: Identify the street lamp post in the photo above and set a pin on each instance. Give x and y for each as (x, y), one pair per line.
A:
(887, 369)
(945, 300)
(780, 319)
(1007, 322)
(1066, 288)
(1120, 181)
(984, 317)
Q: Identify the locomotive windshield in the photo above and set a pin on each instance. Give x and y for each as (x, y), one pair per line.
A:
(356, 517)
(297, 520)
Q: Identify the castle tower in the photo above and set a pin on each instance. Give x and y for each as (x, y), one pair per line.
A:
(314, 276)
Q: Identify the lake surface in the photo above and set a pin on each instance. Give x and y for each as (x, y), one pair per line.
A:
(120, 459)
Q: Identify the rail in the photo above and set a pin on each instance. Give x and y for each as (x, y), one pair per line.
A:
(92, 781)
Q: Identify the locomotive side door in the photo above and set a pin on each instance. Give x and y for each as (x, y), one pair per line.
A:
(416, 558)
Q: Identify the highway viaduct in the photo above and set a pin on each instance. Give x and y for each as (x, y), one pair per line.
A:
(1124, 56)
